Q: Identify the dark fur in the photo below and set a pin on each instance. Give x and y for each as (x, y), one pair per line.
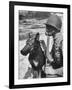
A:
(35, 54)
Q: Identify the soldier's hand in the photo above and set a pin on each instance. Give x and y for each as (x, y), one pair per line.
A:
(49, 58)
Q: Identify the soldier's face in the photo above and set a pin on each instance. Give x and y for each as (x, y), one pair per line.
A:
(50, 31)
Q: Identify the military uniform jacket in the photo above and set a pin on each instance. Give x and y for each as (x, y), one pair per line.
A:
(57, 52)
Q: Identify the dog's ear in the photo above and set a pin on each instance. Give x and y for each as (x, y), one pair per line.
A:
(29, 35)
(37, 36)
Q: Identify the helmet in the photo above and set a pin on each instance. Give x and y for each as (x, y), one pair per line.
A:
(54, 21)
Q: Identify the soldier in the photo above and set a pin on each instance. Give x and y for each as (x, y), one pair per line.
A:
(55, 57)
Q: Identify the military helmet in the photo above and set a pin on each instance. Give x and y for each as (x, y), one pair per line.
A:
(54, 21)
